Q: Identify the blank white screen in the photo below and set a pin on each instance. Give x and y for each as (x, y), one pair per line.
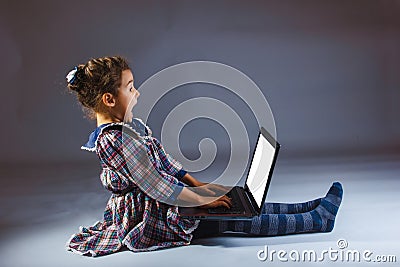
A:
(260, 168)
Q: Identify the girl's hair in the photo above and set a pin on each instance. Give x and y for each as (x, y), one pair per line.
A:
(95, 78)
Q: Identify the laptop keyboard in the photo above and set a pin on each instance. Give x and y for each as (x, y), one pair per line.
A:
(236, 208)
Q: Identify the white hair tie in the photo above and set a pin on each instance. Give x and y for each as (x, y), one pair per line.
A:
(72, 75)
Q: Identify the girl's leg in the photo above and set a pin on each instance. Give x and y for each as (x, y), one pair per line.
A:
(320, 219)
(207, 229)
(284, 208)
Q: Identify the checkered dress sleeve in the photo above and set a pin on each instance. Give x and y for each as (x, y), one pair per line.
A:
(127, 159)
(169, 164)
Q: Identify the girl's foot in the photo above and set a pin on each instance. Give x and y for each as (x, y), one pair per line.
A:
(325, 213)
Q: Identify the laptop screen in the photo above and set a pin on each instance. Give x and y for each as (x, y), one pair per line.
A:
(261, 166)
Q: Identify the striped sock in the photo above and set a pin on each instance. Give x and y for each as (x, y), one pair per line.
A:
(319, 219)
(284, 208)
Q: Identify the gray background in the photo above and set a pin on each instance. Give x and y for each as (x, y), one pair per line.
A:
(329, 69)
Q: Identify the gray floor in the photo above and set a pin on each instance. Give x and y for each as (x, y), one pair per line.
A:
(42, 207)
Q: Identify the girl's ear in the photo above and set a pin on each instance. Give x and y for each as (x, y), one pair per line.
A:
(108, 100)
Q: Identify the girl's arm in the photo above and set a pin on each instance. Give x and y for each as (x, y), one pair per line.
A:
(191, 181)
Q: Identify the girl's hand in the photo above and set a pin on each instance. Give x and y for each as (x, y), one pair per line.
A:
(208, 189)
(223, 201)
(205, 188)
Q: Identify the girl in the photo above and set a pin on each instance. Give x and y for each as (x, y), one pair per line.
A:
(133, 217)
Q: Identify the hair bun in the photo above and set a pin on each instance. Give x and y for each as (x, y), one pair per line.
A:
(74, 77)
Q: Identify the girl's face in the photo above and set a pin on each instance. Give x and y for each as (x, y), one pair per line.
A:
(127, 97)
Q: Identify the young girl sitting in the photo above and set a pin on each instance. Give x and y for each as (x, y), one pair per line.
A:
(133, 217)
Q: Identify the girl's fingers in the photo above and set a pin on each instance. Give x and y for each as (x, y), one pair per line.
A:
(222, 203)
(226, 200)
(226, 204)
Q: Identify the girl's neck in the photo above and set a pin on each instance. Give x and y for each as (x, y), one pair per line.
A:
(105, 118)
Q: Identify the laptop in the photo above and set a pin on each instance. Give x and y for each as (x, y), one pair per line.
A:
(248, 200)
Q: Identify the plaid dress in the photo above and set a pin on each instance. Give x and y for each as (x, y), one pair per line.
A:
(132, 216)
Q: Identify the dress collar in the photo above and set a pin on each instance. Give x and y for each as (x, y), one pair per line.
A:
(137, 126)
